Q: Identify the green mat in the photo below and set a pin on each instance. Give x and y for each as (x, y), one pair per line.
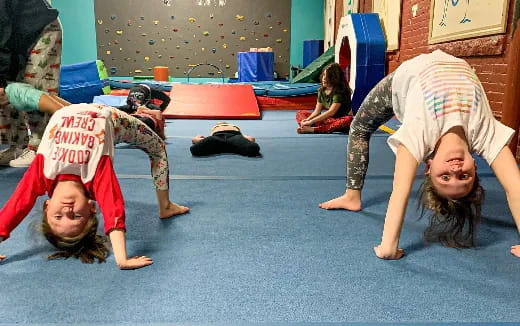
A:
(311, 73)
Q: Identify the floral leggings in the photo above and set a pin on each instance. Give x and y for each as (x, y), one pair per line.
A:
(130, 130)
(375, 110)
(328, 125)
(42, 72)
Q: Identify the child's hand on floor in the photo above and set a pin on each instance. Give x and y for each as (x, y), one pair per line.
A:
(135, 262)
(3, 97)
(385, 253)
(515, 250)
(2, 257)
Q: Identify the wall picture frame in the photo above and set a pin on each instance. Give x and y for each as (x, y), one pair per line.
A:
(460, 19)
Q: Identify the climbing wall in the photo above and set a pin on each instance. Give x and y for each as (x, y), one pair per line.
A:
(133, 36)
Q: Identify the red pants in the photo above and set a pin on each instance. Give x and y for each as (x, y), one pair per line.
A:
(328, 125)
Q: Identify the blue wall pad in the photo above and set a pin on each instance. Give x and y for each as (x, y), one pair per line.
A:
(312, 49)
(112, 100)
(255, 66)
(80, 82)
(361, 51)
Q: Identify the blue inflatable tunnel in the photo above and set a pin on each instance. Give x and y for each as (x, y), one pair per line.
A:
(361, 52)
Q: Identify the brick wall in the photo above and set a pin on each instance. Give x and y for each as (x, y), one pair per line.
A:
(487, 55)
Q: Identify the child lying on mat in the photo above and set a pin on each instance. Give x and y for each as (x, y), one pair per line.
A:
(74, 167)
(334, 97)
(445, 117)
(139, 104)
(224, 138)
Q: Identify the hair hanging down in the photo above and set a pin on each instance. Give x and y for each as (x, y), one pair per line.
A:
(336, 78)
(453, 222)
(87, 246)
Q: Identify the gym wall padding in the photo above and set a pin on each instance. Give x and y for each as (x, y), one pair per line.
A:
(80, 82)
(133, 36)
(312, 49)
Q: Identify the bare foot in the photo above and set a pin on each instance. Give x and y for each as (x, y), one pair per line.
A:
(305, 130)
(350, 201)
(172, 210)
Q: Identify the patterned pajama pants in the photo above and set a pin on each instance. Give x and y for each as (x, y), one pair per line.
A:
(132, 131)
(375, 110)
(328, 125)
(42, 72)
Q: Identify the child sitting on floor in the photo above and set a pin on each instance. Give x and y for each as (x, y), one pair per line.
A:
(333, 96)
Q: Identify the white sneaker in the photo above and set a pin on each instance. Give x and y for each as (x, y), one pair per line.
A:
(9, 154)
(24, 160)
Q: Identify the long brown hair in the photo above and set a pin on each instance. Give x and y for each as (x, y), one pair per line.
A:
(452, 222)
(336, 79)
(86, 246)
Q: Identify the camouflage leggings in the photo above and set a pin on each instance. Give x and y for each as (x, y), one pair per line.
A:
(375, 110)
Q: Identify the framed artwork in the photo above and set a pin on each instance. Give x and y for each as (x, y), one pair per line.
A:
(460, 19)
(389, 12)
(330, 23)
(350, 7)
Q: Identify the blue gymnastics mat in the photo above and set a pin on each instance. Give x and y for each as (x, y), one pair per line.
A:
(255, 247)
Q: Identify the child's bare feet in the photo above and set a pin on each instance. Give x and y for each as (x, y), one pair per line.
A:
(305, 130)
(172, 209)
(350, 201)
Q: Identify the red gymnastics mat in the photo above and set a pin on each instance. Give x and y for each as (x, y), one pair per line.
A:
(212, 101)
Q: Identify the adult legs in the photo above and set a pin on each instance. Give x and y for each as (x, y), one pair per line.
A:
(42, 72)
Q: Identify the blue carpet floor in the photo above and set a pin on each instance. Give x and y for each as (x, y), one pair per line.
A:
(256, 248)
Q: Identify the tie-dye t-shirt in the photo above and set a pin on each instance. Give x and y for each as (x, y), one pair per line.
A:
(434, 92)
